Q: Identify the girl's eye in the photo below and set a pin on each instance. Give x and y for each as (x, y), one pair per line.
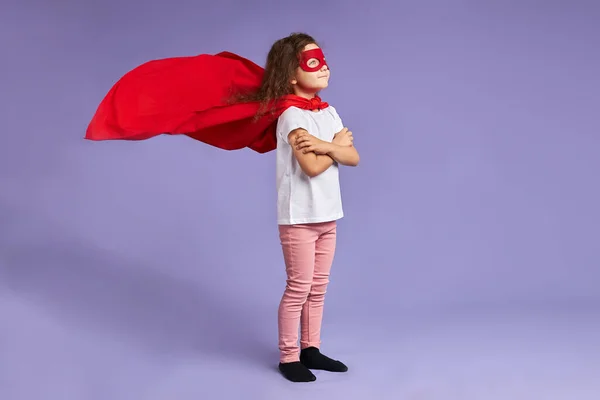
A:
(313, 62)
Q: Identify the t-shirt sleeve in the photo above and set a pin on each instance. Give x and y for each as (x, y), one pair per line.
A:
(291, 119)
(338, 124)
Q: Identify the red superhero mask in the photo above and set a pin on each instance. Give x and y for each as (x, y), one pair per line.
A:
(314, 54)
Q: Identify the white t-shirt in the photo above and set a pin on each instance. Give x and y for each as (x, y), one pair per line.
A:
(301, 199)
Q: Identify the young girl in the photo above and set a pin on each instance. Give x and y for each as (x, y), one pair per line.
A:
(227, 101)
(310, 146)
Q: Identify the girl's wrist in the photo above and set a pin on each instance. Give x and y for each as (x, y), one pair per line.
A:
(331, 147)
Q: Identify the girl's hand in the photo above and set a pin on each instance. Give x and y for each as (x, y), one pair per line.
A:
(309, 143)
(343, 138)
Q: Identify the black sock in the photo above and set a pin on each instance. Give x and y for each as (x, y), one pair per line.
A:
(312, 358)
(296, 372)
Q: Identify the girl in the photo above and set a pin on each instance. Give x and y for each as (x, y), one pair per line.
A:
(310, 146)
(227, 101)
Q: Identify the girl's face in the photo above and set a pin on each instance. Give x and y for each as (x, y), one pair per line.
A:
(313, 73)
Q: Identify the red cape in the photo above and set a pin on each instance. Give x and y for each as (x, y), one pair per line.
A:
(190, 96)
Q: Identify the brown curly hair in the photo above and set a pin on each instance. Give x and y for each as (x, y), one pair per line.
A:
(281, 65)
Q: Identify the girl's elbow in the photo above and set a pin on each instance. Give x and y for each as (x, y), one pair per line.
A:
(310, 172)
(356, 159)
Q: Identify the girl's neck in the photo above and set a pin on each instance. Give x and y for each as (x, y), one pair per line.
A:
(302, 93)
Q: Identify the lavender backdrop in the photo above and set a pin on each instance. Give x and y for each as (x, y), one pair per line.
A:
(467, 263)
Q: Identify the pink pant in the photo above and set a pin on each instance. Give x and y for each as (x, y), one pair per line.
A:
(308, 251)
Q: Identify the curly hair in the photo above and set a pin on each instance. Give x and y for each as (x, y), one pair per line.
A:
(281, 65)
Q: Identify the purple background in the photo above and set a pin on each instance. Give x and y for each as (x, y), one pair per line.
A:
(468, 261)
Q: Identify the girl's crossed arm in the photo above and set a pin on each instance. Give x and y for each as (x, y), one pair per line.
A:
(345, 155)
(340, 150)
(312, 162)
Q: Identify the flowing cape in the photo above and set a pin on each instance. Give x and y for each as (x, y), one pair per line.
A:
(192, 96)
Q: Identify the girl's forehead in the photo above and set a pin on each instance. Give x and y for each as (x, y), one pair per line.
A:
(310, 46)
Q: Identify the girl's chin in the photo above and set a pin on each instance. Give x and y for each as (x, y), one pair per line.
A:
(316, 88)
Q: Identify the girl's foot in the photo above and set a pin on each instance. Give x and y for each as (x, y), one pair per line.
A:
(312, 358)
(296, 372)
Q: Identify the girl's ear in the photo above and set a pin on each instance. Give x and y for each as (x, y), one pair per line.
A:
(293, 82)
